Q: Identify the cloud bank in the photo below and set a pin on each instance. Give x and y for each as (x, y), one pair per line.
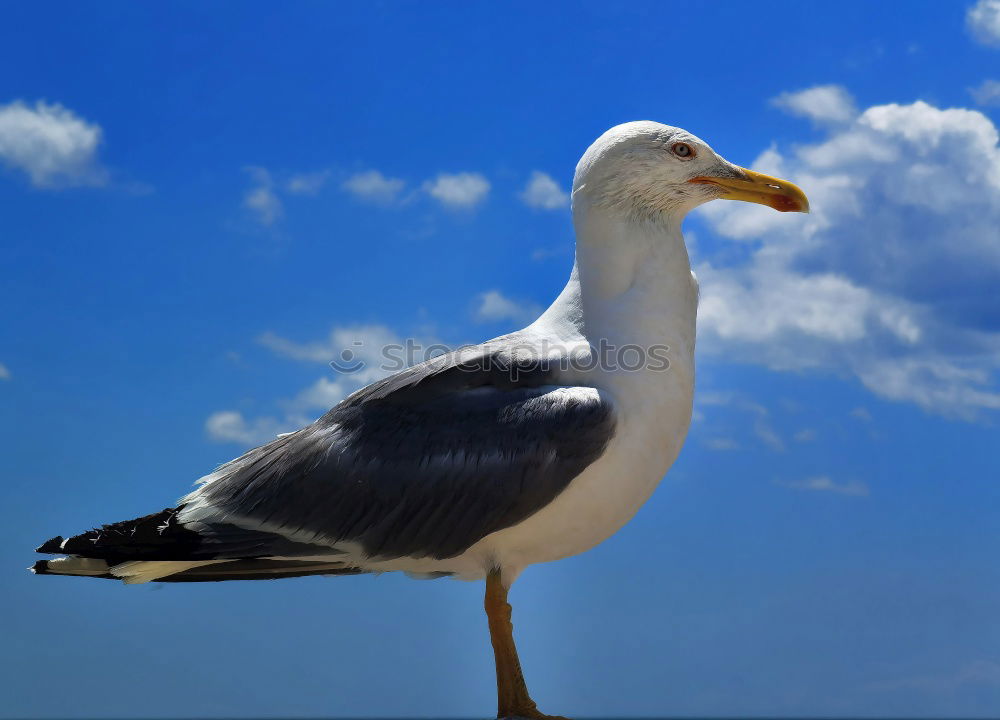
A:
(51, 144)
(373, 186)
(351, 356)
(459, 191)
(544, 193)
(494, 306)
(983, 20)
(892, 278)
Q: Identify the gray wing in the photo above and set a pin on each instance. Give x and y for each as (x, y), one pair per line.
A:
(424, 463)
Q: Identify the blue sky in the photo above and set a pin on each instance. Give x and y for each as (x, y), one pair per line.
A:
(201, 203)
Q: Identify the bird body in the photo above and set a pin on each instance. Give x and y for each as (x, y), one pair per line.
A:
(652, 406)
(528, 448)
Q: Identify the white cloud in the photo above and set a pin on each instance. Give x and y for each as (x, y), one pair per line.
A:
(763, 302)
(823, 104)
(544, 193)
(322, 395)
(53, 145)
(460, 191)
(893, 276)
(862, 414)
(313, 351)
(722, 444)
(264, 198)
(494, 306)
(804, 435)
(356, 356)
(987, 93)
(767, 434)
(307, 183)
(544, 253)
(761, 425)
(983, 20)
(231, 426)
(978, 673)
(261, 199)
(373, 186)
(822, 483)
(933, 383)
(363, 353)
(4, 372)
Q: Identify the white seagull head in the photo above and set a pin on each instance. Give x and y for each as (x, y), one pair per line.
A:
(647, 170)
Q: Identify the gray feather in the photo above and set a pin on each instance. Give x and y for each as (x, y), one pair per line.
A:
(424, 463)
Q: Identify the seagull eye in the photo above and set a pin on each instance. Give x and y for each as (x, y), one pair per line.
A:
(682, 150)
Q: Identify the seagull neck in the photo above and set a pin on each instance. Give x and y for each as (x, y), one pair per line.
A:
(631, 279)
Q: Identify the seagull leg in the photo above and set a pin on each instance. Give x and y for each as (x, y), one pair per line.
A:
(513, 700)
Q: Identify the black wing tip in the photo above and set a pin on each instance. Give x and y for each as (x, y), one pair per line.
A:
(40, 568)
(129, 537)
(53, 545)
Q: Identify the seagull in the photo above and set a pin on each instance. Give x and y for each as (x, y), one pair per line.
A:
(528, 448)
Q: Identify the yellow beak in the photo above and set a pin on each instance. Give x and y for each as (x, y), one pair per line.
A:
(762, 189)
